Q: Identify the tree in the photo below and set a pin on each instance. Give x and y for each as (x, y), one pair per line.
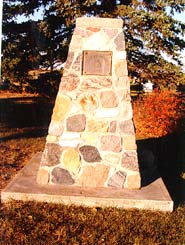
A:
(150, 31)
(19, 46)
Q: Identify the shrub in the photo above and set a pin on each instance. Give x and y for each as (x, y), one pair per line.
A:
(157, 114)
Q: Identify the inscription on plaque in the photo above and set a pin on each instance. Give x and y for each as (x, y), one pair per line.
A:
(97, 63)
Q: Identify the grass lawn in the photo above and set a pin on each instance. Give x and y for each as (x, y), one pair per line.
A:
(40, 223)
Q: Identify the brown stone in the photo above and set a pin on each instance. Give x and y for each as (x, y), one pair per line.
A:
(110, 143)
(93, 29)
(90, 153)
(62, 107)
(127, 127)
(61, 176)
(93, 176)
(51, 155)
(69, 82)
(117, 180)
(97, 126)
(108, 99)
(120, 42)
(112, 127)
(42, 176)
(71, 160)
(96, 82)
(130, 161)
(88, 102)
(76, 123)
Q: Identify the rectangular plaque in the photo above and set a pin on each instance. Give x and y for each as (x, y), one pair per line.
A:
(97, 63)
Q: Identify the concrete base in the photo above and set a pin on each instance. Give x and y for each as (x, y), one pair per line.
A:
(24, 187)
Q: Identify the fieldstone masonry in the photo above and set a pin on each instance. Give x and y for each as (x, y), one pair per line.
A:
(91, 138)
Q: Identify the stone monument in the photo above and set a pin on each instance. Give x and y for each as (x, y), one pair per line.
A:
(91, 138)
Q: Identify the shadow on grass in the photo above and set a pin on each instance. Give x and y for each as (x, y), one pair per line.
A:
(25, 112)
(30, 132)
(164, 157)
(24, 117)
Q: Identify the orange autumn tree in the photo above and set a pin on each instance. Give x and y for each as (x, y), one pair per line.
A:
(157, 114)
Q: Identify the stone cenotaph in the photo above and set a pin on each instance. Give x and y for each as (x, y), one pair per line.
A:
(91, 138)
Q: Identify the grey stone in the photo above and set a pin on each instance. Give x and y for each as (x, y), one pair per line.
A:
(76, 123)
(130, 161)
(51, 155)
(61, 176)
(90, 153)
(117, 180)
(127, 127)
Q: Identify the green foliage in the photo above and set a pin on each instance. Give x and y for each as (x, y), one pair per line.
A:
(41, 223)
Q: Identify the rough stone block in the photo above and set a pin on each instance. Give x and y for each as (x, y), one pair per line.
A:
(126, 127)
(71, 160)
(117, 180)
(89, 83)
(76, 123)
(88, 102)
(112, 158)
(51, 155)
(97, 126)
(51, 139)
(69, 82)
(61, 176)
(99, 172)
(121, 69)
(112, 127)
(89, 138)
(120, 42)
(62, 107)
(108, 99)
(129, 142)
(110, 143)
(90, 153)
(129, 160)
(56, 128)
(133, 181)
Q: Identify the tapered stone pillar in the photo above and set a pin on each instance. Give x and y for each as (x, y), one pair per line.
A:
(91, 138)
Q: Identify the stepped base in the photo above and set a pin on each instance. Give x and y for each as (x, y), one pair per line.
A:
(24, 187)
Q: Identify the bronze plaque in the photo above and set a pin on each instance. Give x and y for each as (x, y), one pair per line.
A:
(97, 63)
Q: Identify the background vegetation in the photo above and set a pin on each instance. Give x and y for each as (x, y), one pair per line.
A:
(30, 51)
(150, 30)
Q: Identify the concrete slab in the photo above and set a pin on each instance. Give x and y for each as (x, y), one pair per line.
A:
(24, 187)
